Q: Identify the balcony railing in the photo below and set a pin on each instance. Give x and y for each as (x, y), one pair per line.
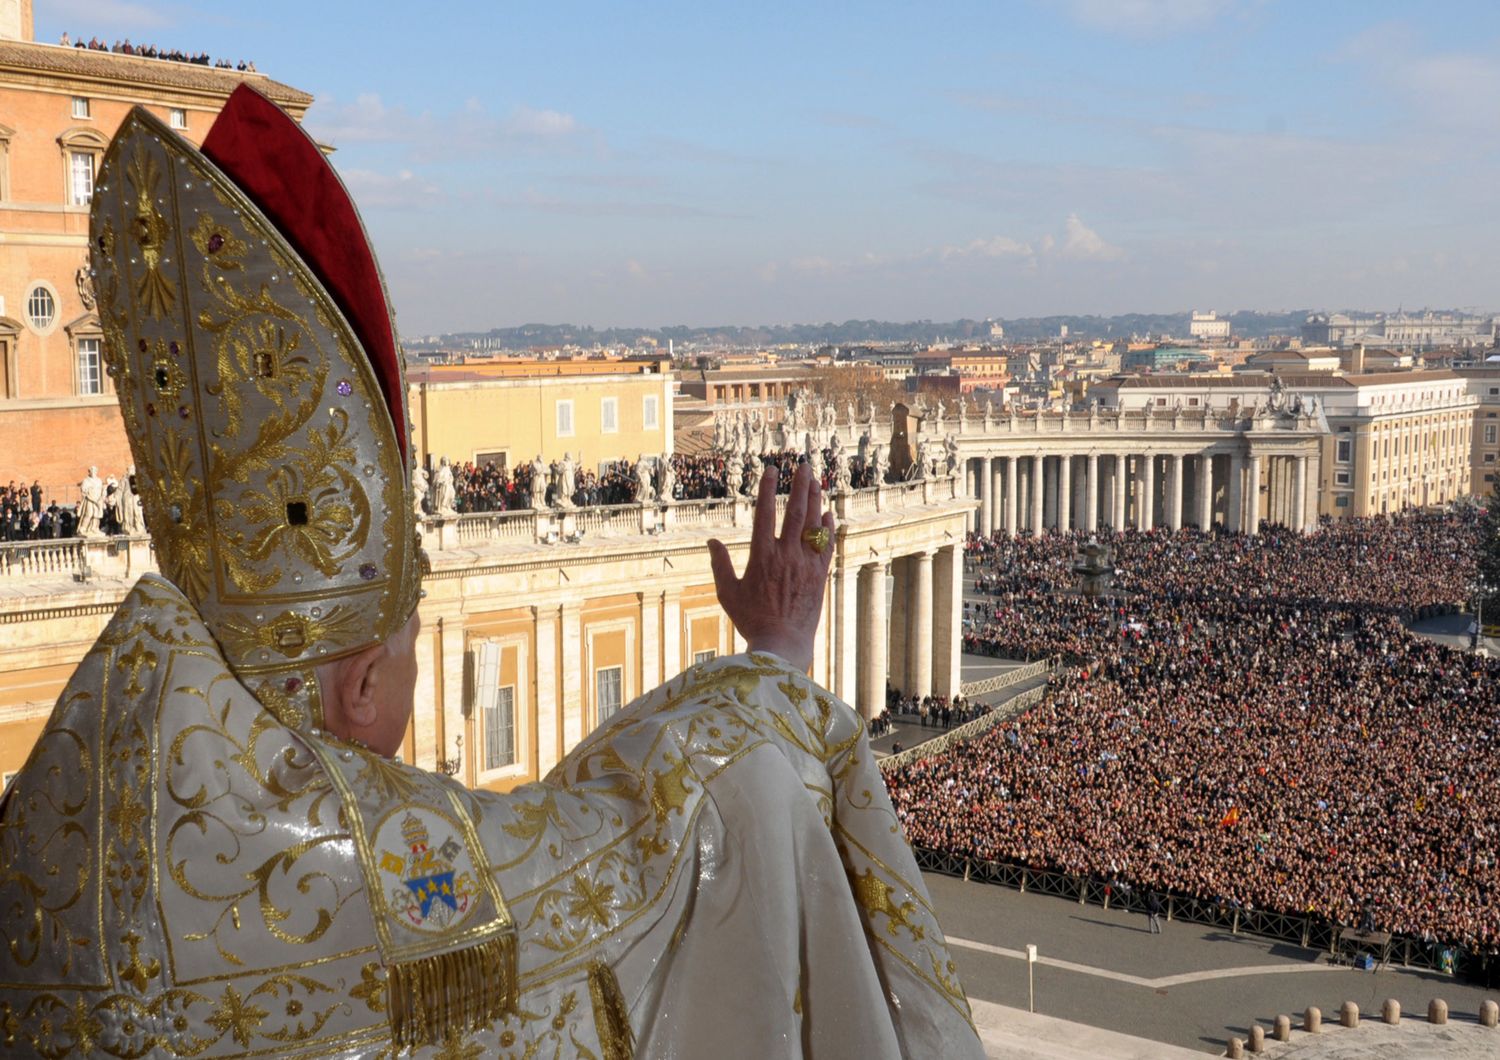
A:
(121, 557)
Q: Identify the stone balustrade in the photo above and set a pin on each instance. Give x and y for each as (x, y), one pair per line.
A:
(128, 557)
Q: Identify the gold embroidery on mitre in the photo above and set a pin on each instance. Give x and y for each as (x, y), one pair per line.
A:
(288, 634)
(270, 469)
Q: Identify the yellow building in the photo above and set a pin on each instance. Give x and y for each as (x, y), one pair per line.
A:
(511, 411)
(59, 108)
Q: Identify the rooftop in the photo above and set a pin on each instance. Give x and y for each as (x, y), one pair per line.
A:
(23, 59)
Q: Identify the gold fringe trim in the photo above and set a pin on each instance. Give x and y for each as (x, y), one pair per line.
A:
(611, 1017)
(432, 999)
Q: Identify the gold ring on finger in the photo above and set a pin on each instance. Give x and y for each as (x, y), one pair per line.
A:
(816, 538)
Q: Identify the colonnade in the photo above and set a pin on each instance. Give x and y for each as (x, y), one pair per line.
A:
(1236, 489)
(910, 626)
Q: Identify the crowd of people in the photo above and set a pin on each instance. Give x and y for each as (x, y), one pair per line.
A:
(24, 518)
(1242, 719)
(151, 51)
(493, 487)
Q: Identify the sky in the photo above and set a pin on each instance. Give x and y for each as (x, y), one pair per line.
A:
(655, 163)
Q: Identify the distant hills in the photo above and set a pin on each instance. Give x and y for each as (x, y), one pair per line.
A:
(851, 332)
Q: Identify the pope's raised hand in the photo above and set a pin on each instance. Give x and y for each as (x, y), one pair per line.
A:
(777, 603)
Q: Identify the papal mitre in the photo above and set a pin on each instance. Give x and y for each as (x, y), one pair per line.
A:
(251, 342)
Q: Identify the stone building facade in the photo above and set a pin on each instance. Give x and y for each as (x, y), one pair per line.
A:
(59, 108)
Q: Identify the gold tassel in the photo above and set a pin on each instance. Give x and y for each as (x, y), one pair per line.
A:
(611, 1018)
(435, 998)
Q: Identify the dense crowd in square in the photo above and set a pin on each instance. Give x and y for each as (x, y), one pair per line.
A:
(1244, 719)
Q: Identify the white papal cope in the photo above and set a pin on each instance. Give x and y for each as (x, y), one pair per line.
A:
(716, 872)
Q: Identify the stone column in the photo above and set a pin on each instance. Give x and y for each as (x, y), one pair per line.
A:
(1174, 497)
(1010, 496)
(1235, 495)
(898, 628)
(1091, 495)
(1146, 517)
(872, 639)
(671, 632)
(1064, 493)
(570, 665)
(1051, 495)
(1122, 482)
(1038, 466)
(947, 617)
(846, 623)
(919, 618)
(549, 741)
(1299, 497)
(651, 675)
(1251, 504)
(997, 489)
(1205, 491)
(986, 497)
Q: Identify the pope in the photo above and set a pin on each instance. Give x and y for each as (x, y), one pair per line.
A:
(211, 852)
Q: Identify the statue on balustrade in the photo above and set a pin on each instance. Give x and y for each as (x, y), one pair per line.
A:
(989, 413)
(734, 474)
(879, 465)
(963, 415)
(645, 487)
(838, 461)
(131, 523)
(419, 489)
(852, 421)
(567, 481)
(950, 455)
(667, 476)
(538, 484)
(212, 850)
(444, 494)
(814, 454)
(90, 504)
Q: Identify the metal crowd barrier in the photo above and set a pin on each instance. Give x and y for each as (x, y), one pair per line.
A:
(1305, 930)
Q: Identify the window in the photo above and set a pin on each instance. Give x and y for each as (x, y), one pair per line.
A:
(89, 378)
(649, 419)
(1345, 451)
(1193, 402)
(1341, 502)
(1495, 391)
(80, 177)
(565, 419)
(704, 656)
(80, 107)
(41, 308)
(1489, 458)
(179, 118)
(1341, 478)
(1490, 432)
(607, 691)
(609, 415)
(498, 720)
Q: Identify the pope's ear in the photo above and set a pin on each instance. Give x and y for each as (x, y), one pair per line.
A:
(356, 687)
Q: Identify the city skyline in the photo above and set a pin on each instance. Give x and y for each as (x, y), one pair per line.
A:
(1052, 158)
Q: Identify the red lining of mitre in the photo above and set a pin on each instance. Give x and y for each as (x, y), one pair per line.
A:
(283, 171)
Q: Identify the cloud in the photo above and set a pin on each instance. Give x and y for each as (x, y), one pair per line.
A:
(532, 199)
(541, 124)
(471, 130)
(994, 247)
(102, 13)
(1082, 243)
(403, 190)
(1457, 90)
(1142, 18)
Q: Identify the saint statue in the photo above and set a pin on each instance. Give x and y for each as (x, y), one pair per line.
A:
(538, 484)
(419, 489)
(667, 487)
(567, 481)
(211, 851)
(444, 493)
(90, 504)
(645, 488)
(734, 475)
(131, 523)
